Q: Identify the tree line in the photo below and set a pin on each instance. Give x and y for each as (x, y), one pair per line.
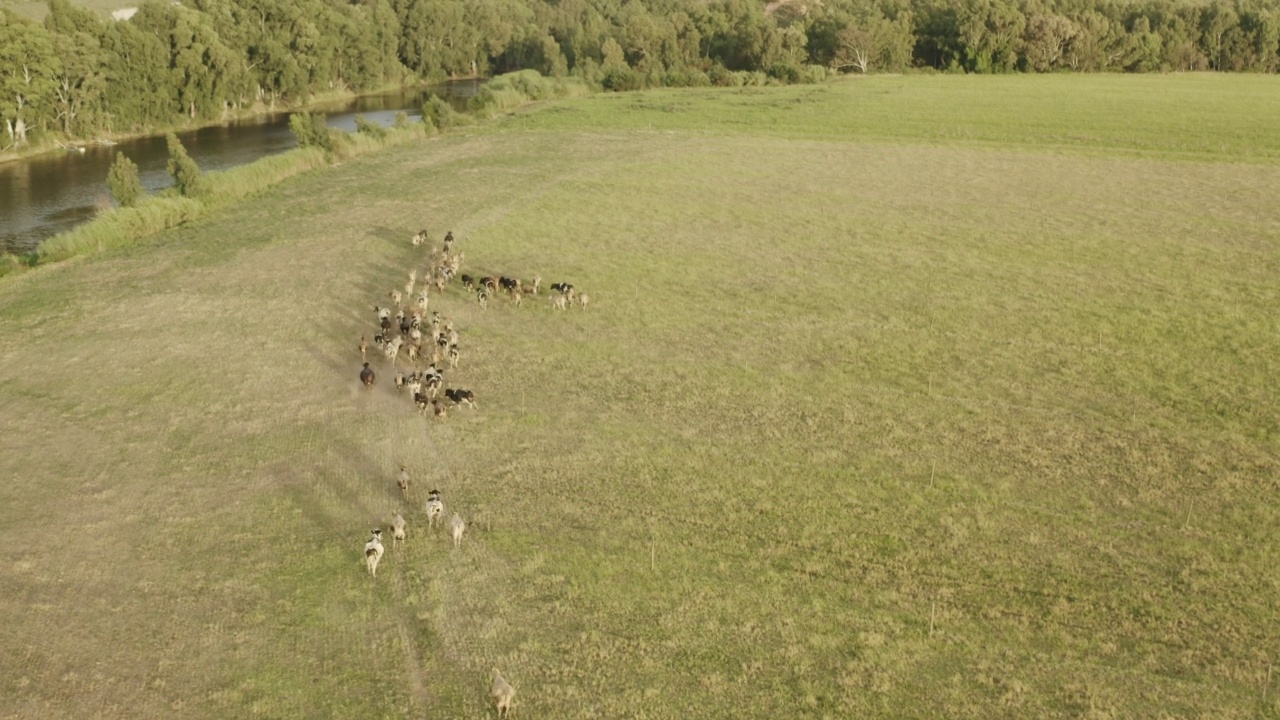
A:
(77, 75)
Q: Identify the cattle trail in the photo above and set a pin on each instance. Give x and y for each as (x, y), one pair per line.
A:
(418, 693)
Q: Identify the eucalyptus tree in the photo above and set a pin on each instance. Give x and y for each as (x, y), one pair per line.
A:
(29, 67)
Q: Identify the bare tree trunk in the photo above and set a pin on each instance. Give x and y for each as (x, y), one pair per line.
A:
(65, 112)
(860, 60)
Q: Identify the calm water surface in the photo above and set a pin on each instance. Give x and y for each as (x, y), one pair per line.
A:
(52, 193)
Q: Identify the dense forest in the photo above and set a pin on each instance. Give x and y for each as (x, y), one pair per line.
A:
(78, 75)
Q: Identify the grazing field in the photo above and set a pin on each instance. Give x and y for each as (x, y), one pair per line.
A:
(896, 397)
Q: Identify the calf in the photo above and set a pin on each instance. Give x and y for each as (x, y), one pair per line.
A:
(373, 552)
(502, 693)
(397, 529)
(456, 528)
(435, 508)
(422, 401)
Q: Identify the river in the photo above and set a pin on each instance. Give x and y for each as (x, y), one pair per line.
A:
(51, 193)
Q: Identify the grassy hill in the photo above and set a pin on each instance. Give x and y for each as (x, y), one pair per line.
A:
(896, 397)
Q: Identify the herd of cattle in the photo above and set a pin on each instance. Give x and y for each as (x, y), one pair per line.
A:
(407, 329)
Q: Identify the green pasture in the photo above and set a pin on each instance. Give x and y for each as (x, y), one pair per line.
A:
(1204, 116)
(906, 397)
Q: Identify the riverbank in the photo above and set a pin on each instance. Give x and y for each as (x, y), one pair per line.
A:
(119, 227)
(57, 142)
(123, 226)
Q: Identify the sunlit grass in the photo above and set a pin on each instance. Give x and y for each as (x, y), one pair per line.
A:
(1195, 116)
(887, 425)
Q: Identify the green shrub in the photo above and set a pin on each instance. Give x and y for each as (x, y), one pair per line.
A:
(589, 72)
(312, 131)
(493, 100)
(438, 113)
(685, 78)
(184, 171)
(815, 73)
(621, 79)
(785, 72)
(124, 181)
(510, 91)
(529, 83)
(10, 264)
(365, 127)
(722, 76)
